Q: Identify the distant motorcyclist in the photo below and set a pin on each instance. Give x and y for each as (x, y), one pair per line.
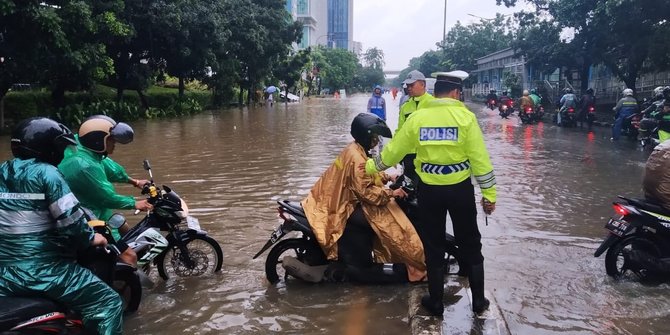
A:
(492, 96)
(664, 122)
(504, 100)
(350, 212)
(585, 101)
(537, 99)
(42, 227)
(526, 101)
(568, 100)
(624, 108)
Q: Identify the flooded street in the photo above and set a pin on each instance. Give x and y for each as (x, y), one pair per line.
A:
(555, 189)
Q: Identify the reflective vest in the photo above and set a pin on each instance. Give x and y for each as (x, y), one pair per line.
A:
(410, 106)
(449, 147)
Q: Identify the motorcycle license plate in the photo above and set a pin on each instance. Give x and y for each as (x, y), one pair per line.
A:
(277, 234)
(617, 227)
(193, 223)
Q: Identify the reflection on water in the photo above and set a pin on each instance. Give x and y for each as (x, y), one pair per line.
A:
(555, 190)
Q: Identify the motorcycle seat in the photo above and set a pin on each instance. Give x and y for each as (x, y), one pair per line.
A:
(649, 206)
(295, 207)
(16, 309)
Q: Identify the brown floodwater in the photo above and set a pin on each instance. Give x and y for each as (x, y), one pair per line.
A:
(555, 191)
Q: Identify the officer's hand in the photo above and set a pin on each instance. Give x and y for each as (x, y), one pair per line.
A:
(143, 205)
(488, 206)
(399, 193)
(387, 178)
(99, 240)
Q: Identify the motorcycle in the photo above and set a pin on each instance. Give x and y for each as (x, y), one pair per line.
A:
(568, 117)
(631, 125)
(539, 113)
(185, 251)
(590, 116)
(36, 315)
(506, 108)
(306, 248)
(527, 116)
(491, 104)
(639, 227)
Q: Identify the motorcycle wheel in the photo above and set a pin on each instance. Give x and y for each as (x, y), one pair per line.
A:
(127, 284)
(204, 252)
(304, 250)
(617, 263)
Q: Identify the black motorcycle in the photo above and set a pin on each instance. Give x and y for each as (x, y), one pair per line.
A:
(306, 248)
(640, 227)
(527, 115)
(568, 117)
(38, 315)
(190, 251)
(590, 116)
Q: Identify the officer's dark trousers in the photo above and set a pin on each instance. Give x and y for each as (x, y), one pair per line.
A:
(434, 203)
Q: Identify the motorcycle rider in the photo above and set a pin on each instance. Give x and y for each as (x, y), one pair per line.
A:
(43, 227)
(450, 150)
(585, 101)
(652, 113)
(348, 210)
(537, 100)
(567, 100)
(504, 100)
(90, 172)
(624, 108)
(664, 122)
(492, 96)
(526, 101)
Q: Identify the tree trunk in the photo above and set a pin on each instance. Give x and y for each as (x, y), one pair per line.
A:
(58, 97)
(3, 93)
(181, 88)
(143, 100)
(240, 98)
(584, 75)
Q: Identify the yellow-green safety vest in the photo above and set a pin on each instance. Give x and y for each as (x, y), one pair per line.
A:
(410, 106)
(449, 147)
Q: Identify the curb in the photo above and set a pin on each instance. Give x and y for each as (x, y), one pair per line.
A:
(458, 317)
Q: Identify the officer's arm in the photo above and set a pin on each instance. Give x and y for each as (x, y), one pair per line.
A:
(401, 117)
(394, 151)
(65, 209)
(480, 163)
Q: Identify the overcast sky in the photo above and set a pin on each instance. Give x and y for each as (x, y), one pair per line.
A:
(406, 29)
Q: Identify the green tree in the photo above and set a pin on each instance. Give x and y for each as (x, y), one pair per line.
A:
(291, 68)
(337, 68)
(374, 58)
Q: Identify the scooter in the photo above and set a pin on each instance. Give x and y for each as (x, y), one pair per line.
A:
(640, 232)
(306, 248)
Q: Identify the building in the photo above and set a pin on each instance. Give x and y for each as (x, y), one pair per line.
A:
(313, 15)
(491, 70)
(341, 24)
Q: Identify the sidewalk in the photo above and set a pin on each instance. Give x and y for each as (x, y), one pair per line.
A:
(458, 316)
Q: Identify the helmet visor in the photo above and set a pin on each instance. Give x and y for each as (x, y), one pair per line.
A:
(122, 133)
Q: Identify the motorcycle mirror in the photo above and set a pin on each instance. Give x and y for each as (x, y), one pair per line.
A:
(146, 165)
(116, 220)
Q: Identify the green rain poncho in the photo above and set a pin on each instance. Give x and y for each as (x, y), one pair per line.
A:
(90, 176)
(41, 229)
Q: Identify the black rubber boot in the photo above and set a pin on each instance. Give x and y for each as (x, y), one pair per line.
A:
(434, 300)
(378, 273)
(476, 278)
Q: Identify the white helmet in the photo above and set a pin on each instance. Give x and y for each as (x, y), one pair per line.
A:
(658, 92)
(627, 92)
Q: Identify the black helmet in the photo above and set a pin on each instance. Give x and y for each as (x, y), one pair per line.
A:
(367, 125)
(94, 131)
(41, 138)
(589, 91)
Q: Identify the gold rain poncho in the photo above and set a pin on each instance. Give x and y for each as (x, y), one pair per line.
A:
(334, 197)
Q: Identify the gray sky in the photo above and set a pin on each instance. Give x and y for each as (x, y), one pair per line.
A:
(406, 29)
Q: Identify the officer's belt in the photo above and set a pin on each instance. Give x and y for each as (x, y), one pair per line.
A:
(444, 169)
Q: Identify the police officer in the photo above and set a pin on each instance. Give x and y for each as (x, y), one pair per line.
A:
(416, 87)
(449, 149)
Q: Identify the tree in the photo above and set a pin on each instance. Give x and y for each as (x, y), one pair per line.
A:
(290, 69)
(374, 58)
(337, 67)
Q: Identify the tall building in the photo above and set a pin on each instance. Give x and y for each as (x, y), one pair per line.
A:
(314, 18)
(341, 24)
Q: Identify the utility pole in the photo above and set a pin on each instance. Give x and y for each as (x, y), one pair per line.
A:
(444, 27)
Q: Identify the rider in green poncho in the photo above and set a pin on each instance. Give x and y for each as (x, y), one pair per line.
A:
(42, 227)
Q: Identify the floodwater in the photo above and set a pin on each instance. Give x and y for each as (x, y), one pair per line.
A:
(555, 191)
